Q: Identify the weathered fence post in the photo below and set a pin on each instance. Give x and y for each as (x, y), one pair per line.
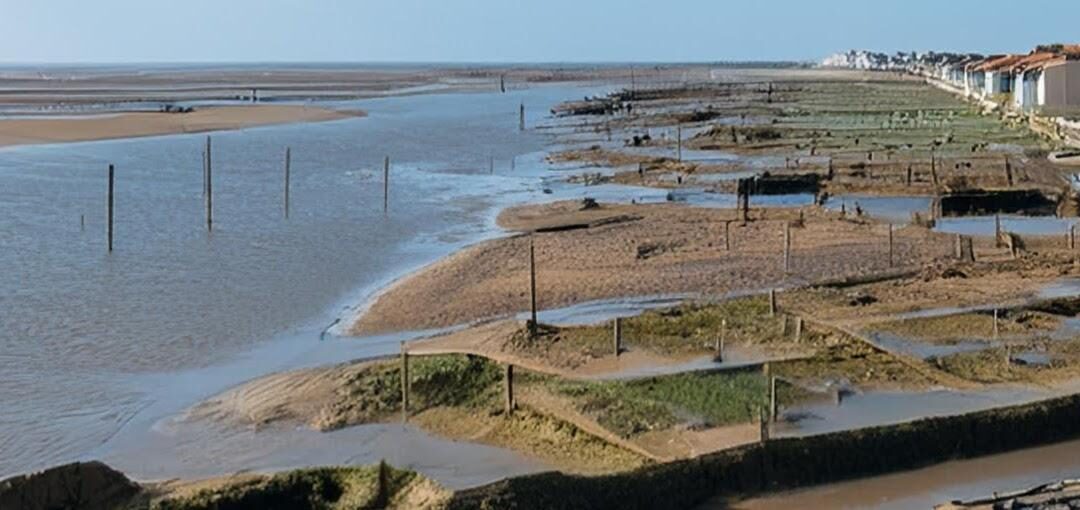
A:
(891, 263)
(997, 230)
(959, 247)
(618, 336)
(787, 247)
(772, 302)
(996, 330)
(209, 187)
(386, 185)
(1072, 237)
(720, 340)
(288, 164)
(763, 426)
(678, 136)
(510, 404)
(404, 382)
(521, 117)
(798, 329)
(772, 399)
(727, 235)
(109, 208)
(532, 288)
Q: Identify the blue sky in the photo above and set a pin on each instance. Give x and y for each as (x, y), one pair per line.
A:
(88, 31)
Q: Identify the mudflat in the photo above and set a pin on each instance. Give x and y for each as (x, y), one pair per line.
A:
(642, 250)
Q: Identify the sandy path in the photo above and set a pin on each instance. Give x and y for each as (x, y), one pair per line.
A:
(666, 249)
(21, 131)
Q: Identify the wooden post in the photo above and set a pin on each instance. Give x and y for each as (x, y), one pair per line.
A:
(997, 230)
(82, 222)
(510, 404)
(727, 235)
(763, 426)
(109, 209)
(891, 245)
(1072, 237)
(787, 247)
(532, 288)
(909, 174)
(678, 135)
(933, 168)
(502, 83)
(521, 117)
(204, 165)
(386, 185)
(1008, 171)
(721, 340)
(209, 187)
(618, 336)
(772, 399)
(404, 382)
(288, 163)
(959, 247)
(772, 302)
(798, 329)
(996, 330)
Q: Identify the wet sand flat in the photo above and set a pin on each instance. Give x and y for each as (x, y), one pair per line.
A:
(661, 249)
(23, 131)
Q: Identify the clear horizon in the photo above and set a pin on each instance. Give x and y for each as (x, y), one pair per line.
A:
(512, 31)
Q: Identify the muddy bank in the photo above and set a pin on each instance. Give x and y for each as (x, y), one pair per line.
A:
(792, 462)
(660, 249)
(23, 131)
(83, 485)
(95, 486)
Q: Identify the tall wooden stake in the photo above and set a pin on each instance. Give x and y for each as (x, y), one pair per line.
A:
(678, 135)
(618, 336)
(787, 247)
(404, 383)
(891, 245)
(288, 164)
(386, 185)
(209, 187)
(772, 399)
(109, 210)
(509, 379)
(997, 231)
(772, 302)
(521, 117)
(996, 324)
(532, 288)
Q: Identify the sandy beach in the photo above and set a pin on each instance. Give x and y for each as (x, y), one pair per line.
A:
(26, 131)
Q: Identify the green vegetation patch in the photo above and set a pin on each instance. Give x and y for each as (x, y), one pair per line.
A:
(452, 380)
(629, 408)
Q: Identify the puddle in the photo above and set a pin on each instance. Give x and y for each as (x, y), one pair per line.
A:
(1022, 225)
(927, 350)
(871, 409)
(891, 209)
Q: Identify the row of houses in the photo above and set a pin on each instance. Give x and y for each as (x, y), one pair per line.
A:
(1047, 79)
